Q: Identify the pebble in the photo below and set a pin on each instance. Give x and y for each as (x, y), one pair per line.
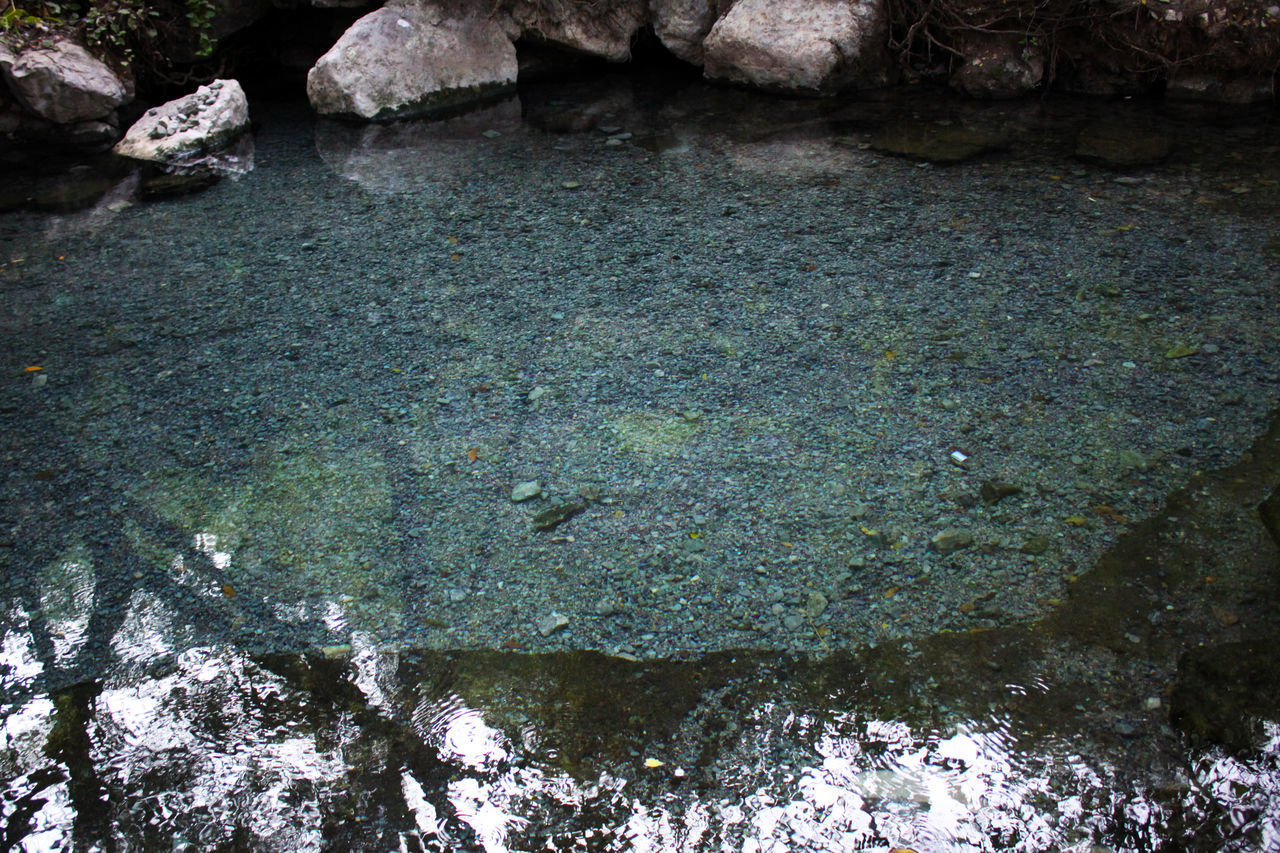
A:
(551, 623)
(993, 491)
(525, 491)
(793, 622)
(557, 513)
(951, 540)
(1035, 545)
(815, 605)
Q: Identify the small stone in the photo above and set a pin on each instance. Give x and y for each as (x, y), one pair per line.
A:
(605, 607)
(1153, 703)
(456, 595)
(815, 605)
(570, 185)
(1124, 728)
(1181, 351)
(951, 540)
(793, 622)
(525, 491)
(556, 514)
(1036, 545)
(993, 491)
(549, 624)
(491, 134)
(1210, 349)
(538, 393)
(336, 652)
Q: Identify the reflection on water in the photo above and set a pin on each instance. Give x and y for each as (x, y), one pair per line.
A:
(211, 748)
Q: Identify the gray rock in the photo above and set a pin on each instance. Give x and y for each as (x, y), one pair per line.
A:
(411, 60)
(821, 46)
(993, 491)
(1223, 88)
(793, 622)
(64, 83)
(1036, 545)
(557, 513)
(816, 605)
(681, 25)
(604, 30)
(951, 540)
(551, 623)
(208, 119)
(525, 491)
(998, 66)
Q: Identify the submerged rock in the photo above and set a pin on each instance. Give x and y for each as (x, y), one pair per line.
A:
(951, 540)
(411, 60)
(1122, 146)
(822, 46)
(935, 142)
(557, 513)
(64, 83)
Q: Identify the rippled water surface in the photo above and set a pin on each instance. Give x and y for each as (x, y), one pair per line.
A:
(881, 502)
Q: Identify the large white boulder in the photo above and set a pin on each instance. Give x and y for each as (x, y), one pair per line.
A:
(64, 83)
(186, 128)
(410, 60)
(803, 46)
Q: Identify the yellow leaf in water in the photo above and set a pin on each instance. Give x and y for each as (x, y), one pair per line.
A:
(652, 762)
(31, 368)
(451, 240)
(228, 590)
(1077, 520)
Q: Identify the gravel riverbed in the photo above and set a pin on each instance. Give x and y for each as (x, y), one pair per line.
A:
(777, 388)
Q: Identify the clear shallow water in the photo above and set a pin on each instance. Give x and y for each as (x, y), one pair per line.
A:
(288, 412)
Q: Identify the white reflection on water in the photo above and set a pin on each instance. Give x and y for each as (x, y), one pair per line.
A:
(213, 749)
(66, 599)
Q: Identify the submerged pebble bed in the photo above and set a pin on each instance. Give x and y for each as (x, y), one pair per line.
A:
(776, 388)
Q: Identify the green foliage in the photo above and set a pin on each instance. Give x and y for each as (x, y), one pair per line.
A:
(200, 14)
(137, 32)
(121, 26)
(41, 18)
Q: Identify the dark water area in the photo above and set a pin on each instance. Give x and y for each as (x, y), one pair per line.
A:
(642, 465)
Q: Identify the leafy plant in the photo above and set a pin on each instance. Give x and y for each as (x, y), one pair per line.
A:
(13, 18)
(121, 26)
